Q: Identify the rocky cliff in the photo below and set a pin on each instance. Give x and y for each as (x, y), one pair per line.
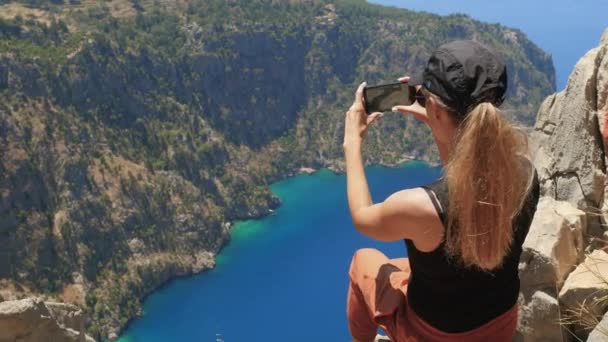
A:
(564, 266)
(133, 132)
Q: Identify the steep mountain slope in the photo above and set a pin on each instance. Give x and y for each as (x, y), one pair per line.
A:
(133, 132)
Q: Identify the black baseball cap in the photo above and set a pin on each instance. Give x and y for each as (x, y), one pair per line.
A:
(464, 73)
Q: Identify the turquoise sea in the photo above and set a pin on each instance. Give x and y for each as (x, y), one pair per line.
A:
(282, 278)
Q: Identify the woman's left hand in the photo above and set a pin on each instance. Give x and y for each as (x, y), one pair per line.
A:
(357, 120)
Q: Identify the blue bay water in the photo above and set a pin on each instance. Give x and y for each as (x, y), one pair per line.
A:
(281, 278)
(564, 28)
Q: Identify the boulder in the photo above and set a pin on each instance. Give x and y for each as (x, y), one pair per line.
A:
(588, 284)
(566, 142)
(538, 319)
(602, 105)
(600, 332)
(33, 320)
(553, 247)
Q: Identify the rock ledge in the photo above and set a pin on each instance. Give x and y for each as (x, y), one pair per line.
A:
(33, 320)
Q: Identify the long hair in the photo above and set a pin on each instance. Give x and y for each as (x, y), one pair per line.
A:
(487, 185)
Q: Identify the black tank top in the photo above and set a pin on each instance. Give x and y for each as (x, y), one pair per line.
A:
(454, 298)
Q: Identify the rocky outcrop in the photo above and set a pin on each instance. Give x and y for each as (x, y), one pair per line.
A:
(534, 326)
(554, 245)
(602, 106)
(558, 298)
(567, 141)
(552, 249)
(587, 285)
(33, 320)
(600, 332)
(583, 297)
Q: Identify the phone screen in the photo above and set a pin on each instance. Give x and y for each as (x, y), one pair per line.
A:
(382, 98)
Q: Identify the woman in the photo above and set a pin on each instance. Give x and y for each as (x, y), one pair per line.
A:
(464, 233)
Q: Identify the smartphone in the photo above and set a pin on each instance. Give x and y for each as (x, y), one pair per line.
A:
(383, 97)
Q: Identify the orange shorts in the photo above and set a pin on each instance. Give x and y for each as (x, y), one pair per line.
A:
(377, 298)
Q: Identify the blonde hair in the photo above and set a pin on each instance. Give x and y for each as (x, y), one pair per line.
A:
(487, 185)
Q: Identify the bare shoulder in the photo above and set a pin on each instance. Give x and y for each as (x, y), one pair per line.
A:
(406, 214)
(415, 200)
(416, 214)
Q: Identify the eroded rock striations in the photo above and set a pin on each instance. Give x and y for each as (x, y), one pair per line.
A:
(559, 299)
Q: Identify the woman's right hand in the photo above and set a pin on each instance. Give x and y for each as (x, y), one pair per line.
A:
(414, 109)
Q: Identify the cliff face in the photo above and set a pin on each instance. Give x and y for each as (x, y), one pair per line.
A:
(132, 133)
(564, 266)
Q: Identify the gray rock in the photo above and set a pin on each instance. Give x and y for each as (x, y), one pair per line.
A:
(33, 320)
(553, 247)
(538, 320)
(600, 333)
(604, 39)
(569, 154)
(588, 284)
(567, 145)
(602, 105)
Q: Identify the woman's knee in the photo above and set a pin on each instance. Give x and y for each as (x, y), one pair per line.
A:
(363, 254)
(363, 257)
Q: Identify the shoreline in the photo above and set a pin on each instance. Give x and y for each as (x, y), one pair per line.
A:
(229, 226)
(120, 334)
(339, 168)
